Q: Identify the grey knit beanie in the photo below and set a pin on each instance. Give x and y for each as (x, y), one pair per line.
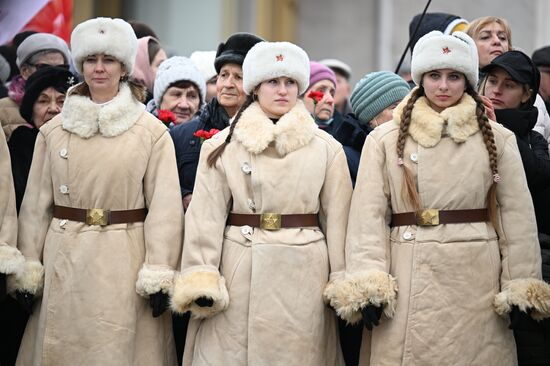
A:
(375, 92)
(177, 68)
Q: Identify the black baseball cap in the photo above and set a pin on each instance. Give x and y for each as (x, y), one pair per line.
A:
(520, 67)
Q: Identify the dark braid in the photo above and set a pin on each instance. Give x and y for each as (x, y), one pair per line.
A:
(489, 139)
(217, 152)
(408, 188)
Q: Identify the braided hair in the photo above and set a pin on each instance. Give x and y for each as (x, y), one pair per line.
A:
(217, 152)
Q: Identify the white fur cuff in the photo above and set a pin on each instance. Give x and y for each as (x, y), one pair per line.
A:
(30, 279)
(191, 286)
(525, 293)
(153, 279)
(348, 296)
(11, 260)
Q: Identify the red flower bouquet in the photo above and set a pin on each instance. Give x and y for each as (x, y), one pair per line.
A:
(205, 135)
(166, 117)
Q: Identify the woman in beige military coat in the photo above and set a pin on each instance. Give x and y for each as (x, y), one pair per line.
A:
(101, 221)
(442, 234)
(266, 228)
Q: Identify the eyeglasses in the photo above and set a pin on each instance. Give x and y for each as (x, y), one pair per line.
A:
(40, 66)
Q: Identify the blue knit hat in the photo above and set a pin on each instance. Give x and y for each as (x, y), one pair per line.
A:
(375, 92)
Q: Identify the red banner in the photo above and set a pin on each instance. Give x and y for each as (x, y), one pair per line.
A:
(56, 18)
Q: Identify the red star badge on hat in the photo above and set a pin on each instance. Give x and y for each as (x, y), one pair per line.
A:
(279, 57)
(446, 50)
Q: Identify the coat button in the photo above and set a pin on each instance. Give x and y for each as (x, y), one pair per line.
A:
(414, 157)
(64, 189)
(62, 223)
(246, 230)
(63, 153)
(246, 168)
(407, 235)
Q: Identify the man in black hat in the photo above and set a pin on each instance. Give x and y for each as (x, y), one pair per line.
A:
(230, 96)
(541, 58)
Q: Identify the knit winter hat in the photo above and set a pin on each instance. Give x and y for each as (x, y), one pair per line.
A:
(375, 92)
(318, 72)
(41, 42)
(107, 36)
(204, 60)
(51, 76)
(438, 51)
(143, 73)
(267, 60)
(234, 49)
(174, 69)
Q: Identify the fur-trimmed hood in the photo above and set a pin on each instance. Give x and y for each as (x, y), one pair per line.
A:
(428, 126)
(256, 131)
(81, 116)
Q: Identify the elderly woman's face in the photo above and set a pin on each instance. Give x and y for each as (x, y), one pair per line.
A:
(102, 73)
(491, 41)
(324, 109)
(47, 106)
(277, 96)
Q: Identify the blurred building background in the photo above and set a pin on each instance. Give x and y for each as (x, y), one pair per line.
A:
(367, 34)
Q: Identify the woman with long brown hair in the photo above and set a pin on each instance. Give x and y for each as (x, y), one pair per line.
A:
(442, 237)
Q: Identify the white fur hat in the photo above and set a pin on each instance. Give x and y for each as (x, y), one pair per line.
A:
(267, 60)
(112, 37)
(174, 69)
(438, 51)
(204, 60)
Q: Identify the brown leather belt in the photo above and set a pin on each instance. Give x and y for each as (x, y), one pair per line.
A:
(273, 221)
(432, 217)
(98, 216)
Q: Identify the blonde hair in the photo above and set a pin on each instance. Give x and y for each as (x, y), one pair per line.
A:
(475, 26)
(409, 191)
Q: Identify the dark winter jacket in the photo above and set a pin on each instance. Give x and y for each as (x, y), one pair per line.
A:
(21, 146)
(352, 134)
(188, 147)
(534, 153)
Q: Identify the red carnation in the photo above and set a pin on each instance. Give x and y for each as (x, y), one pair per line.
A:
(166, 116)
(317, 96)
(205, 135)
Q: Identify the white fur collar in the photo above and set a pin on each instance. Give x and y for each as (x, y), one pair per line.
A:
(256, 131)
(85, 118)
(428, 126)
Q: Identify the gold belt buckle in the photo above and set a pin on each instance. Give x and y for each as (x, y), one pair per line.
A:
(97, 216)
(270, 221)
(427, 217)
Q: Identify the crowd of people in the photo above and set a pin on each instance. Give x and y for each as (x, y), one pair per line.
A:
(249, 206)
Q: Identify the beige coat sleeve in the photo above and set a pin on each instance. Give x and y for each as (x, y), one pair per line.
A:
(367, 279)
(163, 227)
(333, 214)
(520, 278)
(34, 219)
(204, 231)
(11, 260)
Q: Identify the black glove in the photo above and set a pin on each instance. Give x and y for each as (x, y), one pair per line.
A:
(2, 287)
(515, 316)
(159, 303)
(25, 299)
(371, 316)
(204, 302)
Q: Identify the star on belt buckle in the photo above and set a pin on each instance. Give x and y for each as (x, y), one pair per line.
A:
(97, 216)
(427, 217)
(270, 221)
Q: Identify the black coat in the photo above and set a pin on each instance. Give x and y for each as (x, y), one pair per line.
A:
(533, 148)
(188, 147)
(21, 146)
(352, 134)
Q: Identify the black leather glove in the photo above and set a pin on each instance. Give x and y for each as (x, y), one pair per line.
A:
(371, 316)
(26, 300)
(204, 302)
(2, 287)
(516, 315)
(159, 303)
